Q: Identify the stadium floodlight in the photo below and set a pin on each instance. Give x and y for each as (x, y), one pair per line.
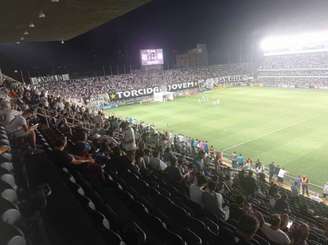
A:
(297, 43)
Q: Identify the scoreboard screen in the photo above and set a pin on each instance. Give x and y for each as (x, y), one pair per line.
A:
(151, 57)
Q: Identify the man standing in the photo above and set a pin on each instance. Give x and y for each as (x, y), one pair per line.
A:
(298, 181)
(281, 175)
(325, 190)
(234, 159)
(305, 185)
(272, 168)
(272, 230)
(19, 129)
(129, 140)
(240, 161)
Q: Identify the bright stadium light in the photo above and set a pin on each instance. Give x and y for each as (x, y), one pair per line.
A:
(298, 43)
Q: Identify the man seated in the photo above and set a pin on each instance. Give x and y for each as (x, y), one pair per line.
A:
(196, 188)
(246, 229)
(213, 201)
(87, 165)
(173, 173)
(299, 233)
(272, 230)
(156, 163)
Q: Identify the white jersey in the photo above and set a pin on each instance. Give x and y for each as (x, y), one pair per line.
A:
(282, 173)
(325, 189)
(16, 126)
(129, 139)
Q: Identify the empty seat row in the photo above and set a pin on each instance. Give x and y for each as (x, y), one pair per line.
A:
(11, 233)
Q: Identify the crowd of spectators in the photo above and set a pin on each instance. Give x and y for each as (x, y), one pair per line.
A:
(314, 60)
(239, 197)
(305, 70)
(88, 89)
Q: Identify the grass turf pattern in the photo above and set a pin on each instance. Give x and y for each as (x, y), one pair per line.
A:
(289, 126)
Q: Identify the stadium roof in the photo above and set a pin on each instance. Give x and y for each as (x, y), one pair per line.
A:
(51, 20)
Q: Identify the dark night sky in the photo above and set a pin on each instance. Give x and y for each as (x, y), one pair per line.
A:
(230, 28)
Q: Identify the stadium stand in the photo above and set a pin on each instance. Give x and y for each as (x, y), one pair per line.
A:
(301, 70)
(86, 90)
(94, 180)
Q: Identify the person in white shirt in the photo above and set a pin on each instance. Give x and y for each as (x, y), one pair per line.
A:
(129, 139)
(325, 190)
(281, 174)
(156, 163)
(19, 129)
(272, 230)
(196, 189)
(6, 114)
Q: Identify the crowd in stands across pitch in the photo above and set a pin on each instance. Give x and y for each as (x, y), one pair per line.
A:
(142, 186)
(87, 89)
(304, 70)
(296, 61)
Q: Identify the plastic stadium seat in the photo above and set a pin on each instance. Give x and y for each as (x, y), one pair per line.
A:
(11, 216)
(114, 238)
(4, 186)
(10, 235)
(4, 137)
(5, 205)
(17, 240)
(6, 157)
(189, 236)
(227, 236)
(4, 141)
(4, 171)
(101, 222)
(9, 179)
(10, 195)
(3, 133)
(212, 226)
(172, 238)
(7, 165)
(8, 211)
(134, 234)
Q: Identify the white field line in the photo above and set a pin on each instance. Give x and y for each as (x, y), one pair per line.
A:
(264, 135)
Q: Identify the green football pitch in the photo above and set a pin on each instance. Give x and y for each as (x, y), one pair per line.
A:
(289, 126)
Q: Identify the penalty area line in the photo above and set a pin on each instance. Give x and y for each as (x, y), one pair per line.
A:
(264, 135)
